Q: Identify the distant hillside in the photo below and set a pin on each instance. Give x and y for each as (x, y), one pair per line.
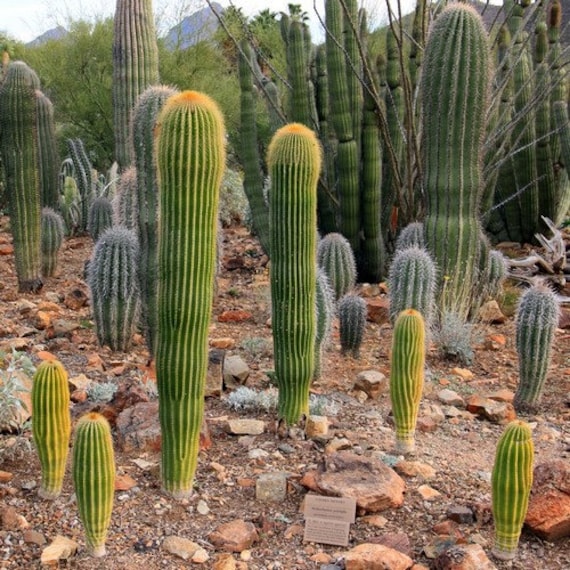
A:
(194, 28)
(53, 34)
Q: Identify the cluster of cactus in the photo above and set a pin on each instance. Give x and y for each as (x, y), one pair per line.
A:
(535, 322)
(294, 159)
(407, 376)
(113, 282)
(191, 138)
(52, 232)
(352, 321)
(100, 217)
(511, 482)
(335, 256)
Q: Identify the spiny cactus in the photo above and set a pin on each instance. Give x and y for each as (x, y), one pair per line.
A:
(100, 217)
(336, 257)
(83, 175)
(53, 231)
(497, 271)
(411, 283)
(294, 159)
(113, 282)
(51, 424)
(535, 322)
(125, 208)
(411, 235)
(511, 482)
(48, 159)
(325, 307)
(352, 321)
(94, 478)
(190, 139)
(407, 376)
(19, 154)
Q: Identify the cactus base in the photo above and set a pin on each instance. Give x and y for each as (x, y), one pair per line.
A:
(98, 551)
(504, 555)
(49, 494)
(405, 446)
(178, 494)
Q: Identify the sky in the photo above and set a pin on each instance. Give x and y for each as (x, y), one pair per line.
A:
(24, 20)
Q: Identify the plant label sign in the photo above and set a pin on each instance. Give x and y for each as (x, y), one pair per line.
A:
(328, 519)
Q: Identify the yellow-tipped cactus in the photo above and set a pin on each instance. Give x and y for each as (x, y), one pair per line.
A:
(51, 424)
(94, 478)
(511, 482)
(407, 376)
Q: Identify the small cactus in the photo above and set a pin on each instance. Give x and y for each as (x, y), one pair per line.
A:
(113, 281)
(53, 230)
(324, 297)
(535, 322)
(100, 217)
(407, 376)
(411, 235)
(51, 424)
(94, 478)
(335, 256)
(497, 271)
(352, 320)
(125, 207)
(511, 482)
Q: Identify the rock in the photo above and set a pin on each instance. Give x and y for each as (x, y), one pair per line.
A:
(548, 513)
(414, 469)
(215, 373)
(224, 343)
(372, 383)
(34, 537)
(369, 556)
(491, 313)
(316, 426)
(271, 487)
(234, 536)
(235, 371)
(138, 428)
(428, 493)
(181, 547)
(61, 328)
(75, 299)
(373, 485)
(61, 548)
(42, 320)
(338, 444)
(6, 476)
(397, 540)
(124, 482)
(245, 427)
(463, 373)
(450, 398)
(234, 316)
(129, 393)
(460, 514)
(494, 411)
(495, 341)
(564, 320)
(378, 310)
(464, 557)
(11, 520)
(200, 556)
(224, 561)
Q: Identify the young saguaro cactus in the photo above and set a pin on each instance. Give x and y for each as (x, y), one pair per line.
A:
(190, 158)
(53, 231)
(407, 376)
(294, 159)
(94, 478)
(511, 482)
(48, 159)
(51, 424)
(335, 256)
(352, 321)
(535, 322)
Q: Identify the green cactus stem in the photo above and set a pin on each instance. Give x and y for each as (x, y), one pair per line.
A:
(94, 478)
(53, 231)
(536, 320)
(407, 376)
(100, 217)
(294, 159)
(352, 322)
(325, 306)
(410, 236)
(51, 424)
(82, 172)
(48, 159)
(190, 158)
(511, 482)
(125, 207)
(335, 256)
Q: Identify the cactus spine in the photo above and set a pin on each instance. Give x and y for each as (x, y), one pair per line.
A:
(18, 148)
(53, 230)
(190, 157)
(94, 478)
(294, 159)
(352, 320)
(453, 111)
(100, 217)
(51, 424)
(113, 282)
(536, 320)
(407, 376)
(335, 256)
(511, 482)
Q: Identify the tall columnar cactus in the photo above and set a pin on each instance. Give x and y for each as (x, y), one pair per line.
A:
(125, 208)
(407, 376)
(190, 157)
(535, 322)
(51, 424)
(94, 478)
(511, 482)
(300, 105)
(352, 321)
(19, 154)
(145, 116)
(135, 65)
(294, 159)
(454, 87)
(562, 122)
(336, 257)
(48, 159)
(113, 282)
(325, 309)
(82, 172)
(100, 217)
(53, 231)
(411, 283)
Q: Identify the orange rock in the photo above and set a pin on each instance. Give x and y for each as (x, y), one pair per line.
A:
(378, 310)
(45, 355)
(124, 482)
(6, 249)
(234, 316)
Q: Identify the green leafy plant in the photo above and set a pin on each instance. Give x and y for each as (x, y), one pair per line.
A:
(12, 366)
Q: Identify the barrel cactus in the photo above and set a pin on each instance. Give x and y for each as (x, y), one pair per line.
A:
(100, 217)
(53, 231)
(335, 256)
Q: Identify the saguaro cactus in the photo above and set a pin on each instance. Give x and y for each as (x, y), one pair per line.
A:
(53, 231)
(536, 320)
(48, 159)
(336, 257)
(294, 159)
(18, 148)
(407, 376)
(190, 158)
(94, 478)
(511, 482)
(51, 424)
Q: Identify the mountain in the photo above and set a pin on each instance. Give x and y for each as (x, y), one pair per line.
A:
(54, 34)
(194, 28)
